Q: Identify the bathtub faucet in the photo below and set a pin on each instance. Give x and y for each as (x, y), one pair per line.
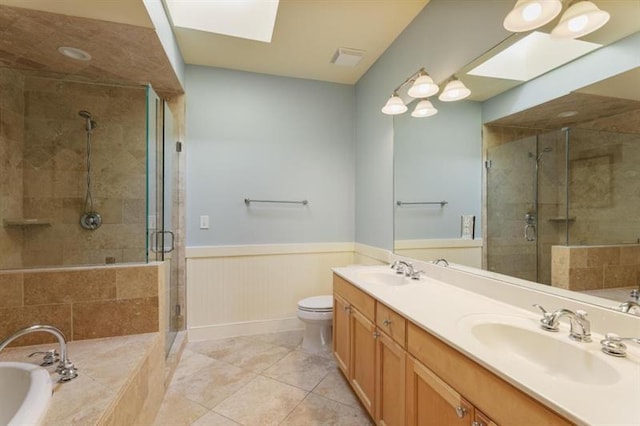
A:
(65, 369)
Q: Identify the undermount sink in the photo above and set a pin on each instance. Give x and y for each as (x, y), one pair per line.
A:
(519, 339)
(384, 277)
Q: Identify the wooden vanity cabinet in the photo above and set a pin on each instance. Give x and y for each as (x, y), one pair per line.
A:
(432, 402)
(354, 339)
(390, 367)
(498, 401)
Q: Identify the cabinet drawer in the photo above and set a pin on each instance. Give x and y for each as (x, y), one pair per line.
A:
(392, 323)
(496, 398)
(356, 297)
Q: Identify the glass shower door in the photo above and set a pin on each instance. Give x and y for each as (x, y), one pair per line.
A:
(511, 245)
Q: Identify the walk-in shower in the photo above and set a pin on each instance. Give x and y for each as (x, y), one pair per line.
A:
(573, 187)
(89, 219)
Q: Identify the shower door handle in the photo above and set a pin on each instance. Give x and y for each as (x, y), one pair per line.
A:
(172, 247)
(163, 249)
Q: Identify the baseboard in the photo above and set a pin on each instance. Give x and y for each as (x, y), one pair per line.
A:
(223, 331)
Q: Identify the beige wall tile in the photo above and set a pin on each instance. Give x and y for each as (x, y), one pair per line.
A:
(620, 276)
(586, 278)
(601, 256)
(630, 255)
(10, 289)
(114, 318)
(13, 319)
(578, 257)
(69, 286)
(137, 282)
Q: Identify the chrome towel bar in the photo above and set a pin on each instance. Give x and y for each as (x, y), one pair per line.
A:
(404, 203)
(248, 201)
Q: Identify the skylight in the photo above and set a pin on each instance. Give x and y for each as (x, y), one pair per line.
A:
(534, 55)
(250, 19)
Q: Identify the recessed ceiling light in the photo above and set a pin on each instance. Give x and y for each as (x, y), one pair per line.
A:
(533, 55)
(74, 53)
(566, 114)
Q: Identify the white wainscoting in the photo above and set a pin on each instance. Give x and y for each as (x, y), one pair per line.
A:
(244, 290)
(463, 252)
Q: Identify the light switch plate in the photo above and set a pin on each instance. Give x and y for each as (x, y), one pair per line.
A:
(204, 222)
(468, 227)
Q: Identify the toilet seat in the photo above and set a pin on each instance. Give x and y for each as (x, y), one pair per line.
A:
(316, 304)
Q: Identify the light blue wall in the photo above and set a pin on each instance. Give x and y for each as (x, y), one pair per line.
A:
(275, 138)
(443, 39)
(438, 158)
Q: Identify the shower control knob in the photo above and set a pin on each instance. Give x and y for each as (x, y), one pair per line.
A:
(91, 220)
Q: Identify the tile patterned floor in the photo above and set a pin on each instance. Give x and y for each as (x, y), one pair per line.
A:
(255, 381)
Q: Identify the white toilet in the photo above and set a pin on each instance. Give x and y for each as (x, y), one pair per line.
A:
(317, 314)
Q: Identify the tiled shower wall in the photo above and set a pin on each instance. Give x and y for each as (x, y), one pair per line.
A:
(85, 303)
(11, 160)
(54, 173)
(604, 192)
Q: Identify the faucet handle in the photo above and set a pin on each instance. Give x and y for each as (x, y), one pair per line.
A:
(544, 311)
(49, 358)
(547, 321)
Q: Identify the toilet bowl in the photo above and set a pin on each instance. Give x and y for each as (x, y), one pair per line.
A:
(317, 314)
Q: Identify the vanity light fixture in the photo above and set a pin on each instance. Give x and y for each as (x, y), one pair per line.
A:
(530, 14)
(455, 90)
(422, 86)
(424, 109)
(580, 19)
(394, 105)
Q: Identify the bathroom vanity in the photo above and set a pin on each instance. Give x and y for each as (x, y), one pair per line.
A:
(423, 351)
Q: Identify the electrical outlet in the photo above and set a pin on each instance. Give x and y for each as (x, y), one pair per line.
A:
(204, 222)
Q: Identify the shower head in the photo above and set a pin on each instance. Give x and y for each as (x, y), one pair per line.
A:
(91, 124)
(547, 149)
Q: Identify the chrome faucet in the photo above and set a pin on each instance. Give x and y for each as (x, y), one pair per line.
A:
(441, 260)
(612, 344)
(65, 369)
(628, 305)
(580, 326)
(403, 267)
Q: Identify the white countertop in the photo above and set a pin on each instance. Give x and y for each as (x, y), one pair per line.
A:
(447, 312)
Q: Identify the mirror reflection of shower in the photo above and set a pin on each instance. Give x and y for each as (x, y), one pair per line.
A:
(531, 217)
(90, 219)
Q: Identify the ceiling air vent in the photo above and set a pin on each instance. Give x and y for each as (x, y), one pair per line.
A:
(347, 57)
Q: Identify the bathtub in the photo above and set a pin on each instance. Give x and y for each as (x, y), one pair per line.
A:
(25, 392)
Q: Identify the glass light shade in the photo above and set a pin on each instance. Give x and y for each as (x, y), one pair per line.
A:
(394, 106)
(579, 20)
(455, 90)
(530, 14)
(424, 109)
(423, 87)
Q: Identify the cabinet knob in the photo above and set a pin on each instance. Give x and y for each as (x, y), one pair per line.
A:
(478, 423)
(461, 411)
(387, 322)
(376, 334)
(347, 308)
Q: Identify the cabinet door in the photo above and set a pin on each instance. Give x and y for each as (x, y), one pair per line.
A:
(390, 382)
(363, 354)
(480, 419)
(431, 402)
(341, 339)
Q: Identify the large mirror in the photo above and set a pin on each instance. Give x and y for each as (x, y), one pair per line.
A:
(559, 185)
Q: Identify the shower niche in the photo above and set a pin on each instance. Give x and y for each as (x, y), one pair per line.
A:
(74, 186)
